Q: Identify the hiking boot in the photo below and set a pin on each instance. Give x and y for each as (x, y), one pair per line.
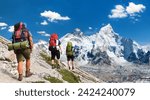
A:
(73, 68)
(58, 67)
(28, 73)
(53, 66)
(20, 77)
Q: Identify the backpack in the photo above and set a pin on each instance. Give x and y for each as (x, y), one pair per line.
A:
(52, 42)
(69, 49)
(20, 38)
(20, 34)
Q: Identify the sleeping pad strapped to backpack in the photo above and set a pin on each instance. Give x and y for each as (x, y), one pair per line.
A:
(20, 38)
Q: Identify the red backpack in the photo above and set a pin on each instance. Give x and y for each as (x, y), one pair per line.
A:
(53, 38)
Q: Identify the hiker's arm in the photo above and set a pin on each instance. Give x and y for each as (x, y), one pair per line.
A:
(59, 44)
(66, 50)
(31, 42)
(13, 38)
(60, 49)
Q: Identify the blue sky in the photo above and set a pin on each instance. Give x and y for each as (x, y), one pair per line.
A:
(129, 18)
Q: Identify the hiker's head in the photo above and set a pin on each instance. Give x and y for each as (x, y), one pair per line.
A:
(19, 25)
(69, 43)
(23, 25)
(55, 33)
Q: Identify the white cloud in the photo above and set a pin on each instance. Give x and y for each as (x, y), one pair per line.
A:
(90, 28)
(44, 22)
(129, 11)
(118, 12)
(133, 8)
(43, 33)
(11, 29)
(3, 24)
(53, 16)
(3, 28)
(47, 35)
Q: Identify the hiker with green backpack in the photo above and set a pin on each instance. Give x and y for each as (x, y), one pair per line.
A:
(70, 54)
(22, 45)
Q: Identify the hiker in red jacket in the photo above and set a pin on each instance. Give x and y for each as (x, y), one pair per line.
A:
(55, 48)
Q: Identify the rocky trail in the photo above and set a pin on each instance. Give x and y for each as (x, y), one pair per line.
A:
(40, 68)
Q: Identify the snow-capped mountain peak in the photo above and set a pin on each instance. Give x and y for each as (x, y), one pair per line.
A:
(78, 32)
(116, 48)
(105, 46)
(107, 30)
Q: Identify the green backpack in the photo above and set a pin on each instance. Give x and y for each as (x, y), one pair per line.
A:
(69, 50)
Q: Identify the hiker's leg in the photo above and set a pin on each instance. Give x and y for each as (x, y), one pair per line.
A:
(58, 57)
(20, 67)
(26, 54)
(20, 58)
(72, 64)
(68, 61)
(20, 70)
(28, 62)
(58, 60)
(69, 64)
(52, 61)
(53, 56)
(72, 59)
(28, 72)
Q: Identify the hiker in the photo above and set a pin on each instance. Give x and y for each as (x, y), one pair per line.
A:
(70, 54)
(21, 34)
(55, 48)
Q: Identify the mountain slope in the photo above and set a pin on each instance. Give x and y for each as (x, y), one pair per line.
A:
(41, 69)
